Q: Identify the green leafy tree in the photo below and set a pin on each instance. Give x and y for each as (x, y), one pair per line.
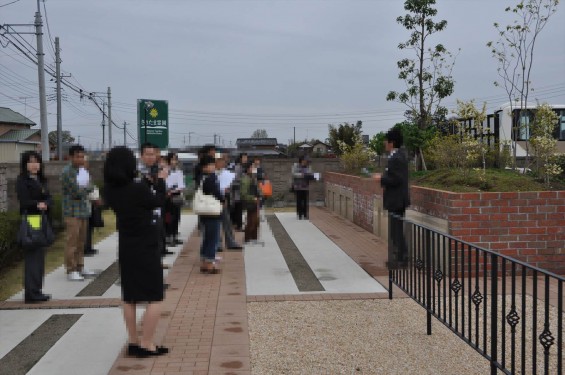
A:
(260, 133)
(414, 137)
(377, 143)
(344, 133)
(514, 52)
(428, 76)
(544, 144)
(66, 135)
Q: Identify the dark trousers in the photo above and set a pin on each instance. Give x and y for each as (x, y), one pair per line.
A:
(252, 224)
(302, 203)
(34, 270)
(88, 238)
(237, 215)
(172, 219)
(398, 251)
(211, 236)
(228, 229)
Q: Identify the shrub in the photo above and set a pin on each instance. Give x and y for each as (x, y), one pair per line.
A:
(355, 158)
(56, 212)
(9, 225)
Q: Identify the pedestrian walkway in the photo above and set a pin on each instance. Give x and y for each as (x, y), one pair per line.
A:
(204, 317)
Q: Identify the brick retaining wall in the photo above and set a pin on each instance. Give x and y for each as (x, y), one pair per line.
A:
(529, 226)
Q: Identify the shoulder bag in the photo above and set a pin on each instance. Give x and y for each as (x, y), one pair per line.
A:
(205, 205)
(35, 232)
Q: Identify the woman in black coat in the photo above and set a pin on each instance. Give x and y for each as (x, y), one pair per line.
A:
(134, 202)
(34, 199)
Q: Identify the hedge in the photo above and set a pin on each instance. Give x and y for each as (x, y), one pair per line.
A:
(9, 225)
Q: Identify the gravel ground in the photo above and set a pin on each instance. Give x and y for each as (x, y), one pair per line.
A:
(354, 337)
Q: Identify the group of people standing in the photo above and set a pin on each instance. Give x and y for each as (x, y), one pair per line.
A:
(147, 196)
(237, 189)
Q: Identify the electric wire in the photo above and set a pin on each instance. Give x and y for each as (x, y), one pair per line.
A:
(51, 44)
(10, 3)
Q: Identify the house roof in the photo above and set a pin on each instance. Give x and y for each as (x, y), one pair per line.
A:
(305, 145)
(320, 143)
(250, 142)
(11, 117)
(18, 135)
(259, 152)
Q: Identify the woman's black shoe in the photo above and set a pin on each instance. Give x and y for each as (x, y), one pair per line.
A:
(144, 353)
(133, 349)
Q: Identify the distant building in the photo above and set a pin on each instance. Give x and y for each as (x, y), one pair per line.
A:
(16, 135)
(321, 148)
(259, 147)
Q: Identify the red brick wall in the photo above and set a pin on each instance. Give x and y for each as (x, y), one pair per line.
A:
(529, 226)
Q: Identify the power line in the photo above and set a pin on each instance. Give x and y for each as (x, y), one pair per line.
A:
(10, 3)
(49, 32)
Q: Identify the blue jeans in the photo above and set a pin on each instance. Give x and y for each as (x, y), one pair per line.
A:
(211, 233)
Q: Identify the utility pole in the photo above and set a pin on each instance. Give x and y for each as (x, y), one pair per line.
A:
(41, 78)
(295, 134)
(109, 118)
(103, 124)
(125, 131)
(59, 114)
(214, 139)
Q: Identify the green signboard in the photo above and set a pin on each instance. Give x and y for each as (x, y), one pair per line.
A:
(153, 122)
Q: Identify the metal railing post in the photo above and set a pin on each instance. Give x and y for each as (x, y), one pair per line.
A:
(428, 250)
(389, 284)
(493, 313)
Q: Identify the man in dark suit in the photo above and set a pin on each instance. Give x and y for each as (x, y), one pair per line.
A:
(396, 196)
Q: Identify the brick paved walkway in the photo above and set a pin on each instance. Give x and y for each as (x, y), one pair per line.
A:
(205, 316)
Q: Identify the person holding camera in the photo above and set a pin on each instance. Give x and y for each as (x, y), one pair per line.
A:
(148, 169)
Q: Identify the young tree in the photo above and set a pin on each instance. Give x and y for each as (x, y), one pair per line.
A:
(260, 133)
(427, 77)
(355, 157)
(543, 143)
(468, 111)
(344, 133)
(514, 52)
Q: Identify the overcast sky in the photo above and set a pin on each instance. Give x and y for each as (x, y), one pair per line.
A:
(230, 67)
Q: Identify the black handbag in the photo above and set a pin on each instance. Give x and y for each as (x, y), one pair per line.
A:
(177, 200)
(31, 238)
(96, 219)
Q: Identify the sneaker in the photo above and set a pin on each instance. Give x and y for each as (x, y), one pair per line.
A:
(75, 276)
(88, 273)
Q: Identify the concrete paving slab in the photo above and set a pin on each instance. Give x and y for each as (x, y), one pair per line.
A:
(265, 268)
(56, 282)
(88, 348)
(337, 272)
(59, 287)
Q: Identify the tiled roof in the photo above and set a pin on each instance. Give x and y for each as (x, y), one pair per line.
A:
(247, 142)
(11, 117)
(18, 135)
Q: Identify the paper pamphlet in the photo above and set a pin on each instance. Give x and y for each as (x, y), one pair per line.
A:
(34, 221)
(226, 178)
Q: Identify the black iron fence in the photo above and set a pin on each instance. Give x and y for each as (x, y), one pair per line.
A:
(508, 311)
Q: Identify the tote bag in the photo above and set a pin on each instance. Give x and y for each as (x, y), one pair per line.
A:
(205, 205)
(35, 232)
